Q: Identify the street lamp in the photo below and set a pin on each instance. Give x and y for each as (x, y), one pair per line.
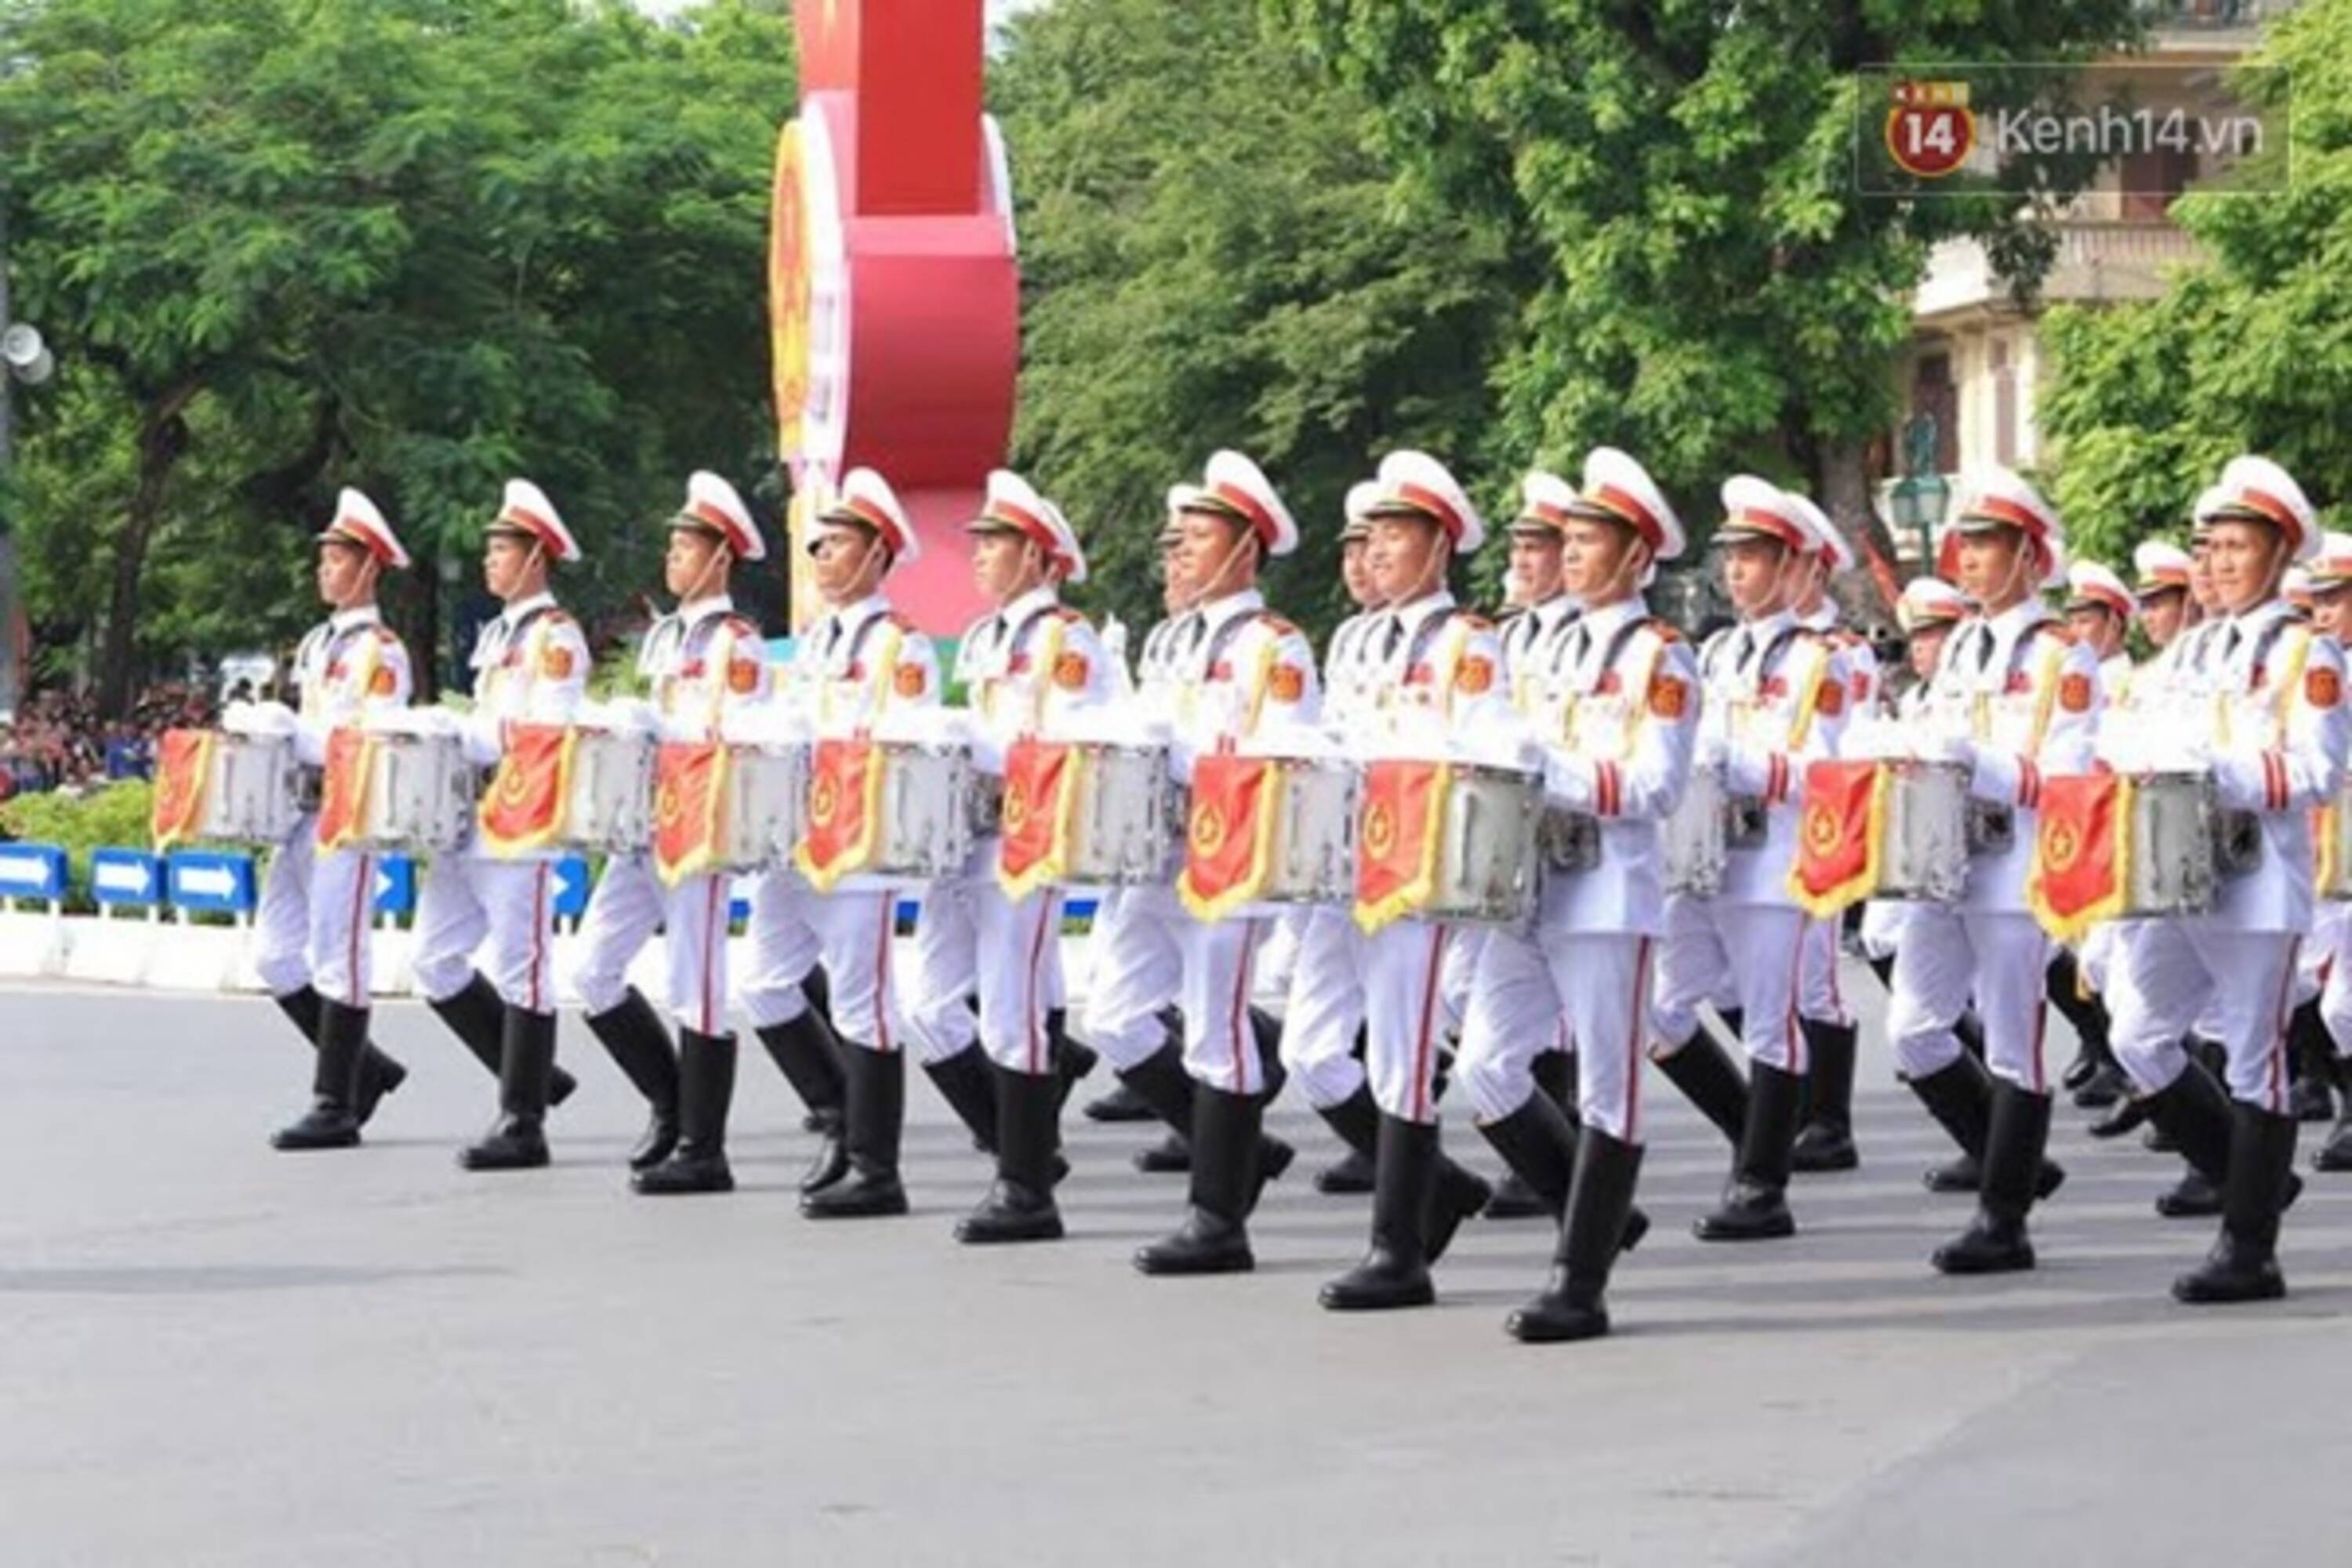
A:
(1919, 497)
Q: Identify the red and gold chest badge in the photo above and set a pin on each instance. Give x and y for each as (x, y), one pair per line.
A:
(2074, 693)
(1474, 676)
(1287, 683)
(1669, 697)
(1070, 672)
(2322, 688)
(556, 664)
(907, 680)
(1829, 700)
(743, 677)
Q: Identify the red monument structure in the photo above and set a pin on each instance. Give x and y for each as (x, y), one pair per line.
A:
(895, 297)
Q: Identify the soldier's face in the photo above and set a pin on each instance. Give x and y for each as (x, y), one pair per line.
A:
(1175, 592)
(1006, 565)
(1214, 555)
(1406, 557)
(1756, 575)
(1534, 574)
(1596, 560)
(1993, 565)
(2331, 611)
(2160, 616)
(2246, 559)
(1926, 647)
(346, 574)
(2097, 628)
(1356, 573)
(844, 563)
(693, 568)
(2200, 577)
(513, 567)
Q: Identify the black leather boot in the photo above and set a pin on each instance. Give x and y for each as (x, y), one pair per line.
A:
(1516, 1198)
(2336, 1154)
(1538, 1143)
(2062, 986)
(1266, 1033)
(2310, 1098)
(965, 1083)
(1120, 1104)
(2243, 1264)
(874, 1119)
(1356, 1122)
(1214, 1238)
(2194, 1112)
(1161, 1082)
(706, 1083)
(332, 1122)
(477, 1015)
(1826, 1141)
(1351, 1173)
(808, 1053)
(1073, 1058)
(1395, 1272)
(1756, 1202)
(379, 1074)
(1020, 1205)
(1600, 1199)
(1959, 1096)
(1709, 1080)
(634, 1035)
(1995, 1241)
(517, 1140)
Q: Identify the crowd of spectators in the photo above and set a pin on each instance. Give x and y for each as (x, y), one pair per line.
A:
(57, 740)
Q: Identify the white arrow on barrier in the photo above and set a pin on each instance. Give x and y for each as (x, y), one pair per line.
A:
(208, 882)
(384, 884)
(23, 871)
(134, 877)
(571, 877)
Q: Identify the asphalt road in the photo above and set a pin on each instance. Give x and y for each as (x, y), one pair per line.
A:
(215, 1354)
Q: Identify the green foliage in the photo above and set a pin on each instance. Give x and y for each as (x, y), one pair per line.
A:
(1214, 256)
(115, 817)
(418, 246)
(2251, 351)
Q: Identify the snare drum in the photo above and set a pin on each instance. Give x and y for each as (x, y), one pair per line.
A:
(1925, 853)
(253, 790)
(767, 801)
(1695, 840)
(1487, 861)
(1312, 858)
(926, 826)
(2183, 846)
(609, 809)
(1119, 823)
(420, 794)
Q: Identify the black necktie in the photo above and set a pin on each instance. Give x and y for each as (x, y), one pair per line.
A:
(1579, 639)
(2230, 641)
(1392, 638)
(1984, 646)
(832, 634)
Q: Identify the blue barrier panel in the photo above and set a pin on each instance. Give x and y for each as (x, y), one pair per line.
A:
(32, 871)
(210, 882)
(572, 884)
(126, 879)
(395, 885)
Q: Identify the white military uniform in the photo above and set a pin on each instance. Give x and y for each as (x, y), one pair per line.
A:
(1818, 995)
(850, 667)
(530, 666)
(1027, 667)
(317, 906)
(1238, 670)
(1619, 722)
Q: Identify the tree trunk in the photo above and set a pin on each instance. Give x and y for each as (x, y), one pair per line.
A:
(162, 437)
(1844, 485)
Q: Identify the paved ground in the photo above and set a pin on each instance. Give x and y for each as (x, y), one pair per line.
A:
(219, 1355)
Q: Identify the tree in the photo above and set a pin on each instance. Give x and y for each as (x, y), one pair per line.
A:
(1717, 292)
(2250, 350)
(1212, 257)
(414, 245)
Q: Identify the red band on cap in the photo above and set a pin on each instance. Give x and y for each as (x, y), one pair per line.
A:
(2271, 507)
(2165, 577)
(703, 511)
(1253, 510)
(1638, 516)
(358, 531)
(537, 525)
(875, 518)
(1029, 524)
(2009, 511)
(2106, 598)
(1773, 523)
(1544, 511)
(1436, 505)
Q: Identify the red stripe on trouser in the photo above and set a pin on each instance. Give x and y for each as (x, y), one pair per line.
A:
(2040, 1029)
(1240, 1007)
(1796, 994)
(1421, 1050)
(713, 933)
(2279, 1026)
(1029, 995)
(1633, 1042)
(358, 997)
(882, 975)
(538, 939)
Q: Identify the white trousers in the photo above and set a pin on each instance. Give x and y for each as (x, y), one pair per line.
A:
(1325, 1009)
(1745, 955)
(623, 912)
(794, 927)
(1403, 975)
(1535, 994)
(467, 898)
(1159, 953)
(316, 919)
(2171, 974)
(1818, 995)
(695, 938)
(971, 937)
(1950, 959)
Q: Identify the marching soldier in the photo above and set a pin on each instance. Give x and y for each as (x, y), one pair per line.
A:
(1237, 670)
(853, 664)
(1776, 696)
(2331, 618)
(1617, 719)
(2099, 611)
(1926, 612)
(1029, 663)
(1439, 687)
(2011, 700)
(2273, 728)
(530, 666)
(312, 948)
(706, 661)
